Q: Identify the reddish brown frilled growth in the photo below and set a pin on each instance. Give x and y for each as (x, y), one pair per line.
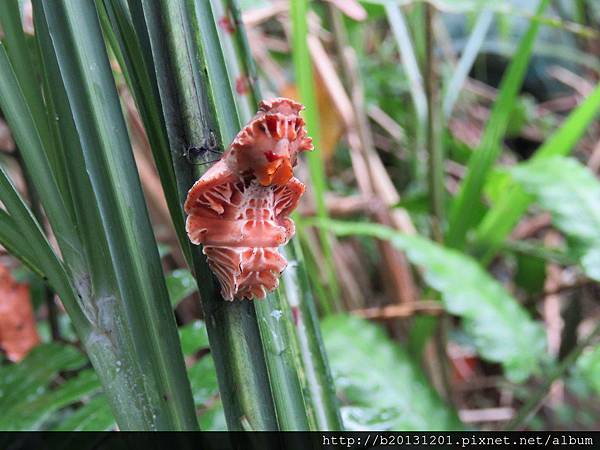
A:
(239, 209)
(18, 331)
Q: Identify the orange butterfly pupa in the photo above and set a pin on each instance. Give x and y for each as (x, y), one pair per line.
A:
(239, 209)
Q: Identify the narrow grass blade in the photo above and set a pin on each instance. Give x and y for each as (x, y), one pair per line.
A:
(316, 165)
(11, 239)
(504, 215)
(462, 216)
(409, 59)
(469, 54)
(25, 132)
(20, 58)
(22, 233)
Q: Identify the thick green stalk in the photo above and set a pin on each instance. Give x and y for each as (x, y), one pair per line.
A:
(189, 71)
(278, 352)
(136, 62)
(134, 344)
(295, 358)
(274, 314)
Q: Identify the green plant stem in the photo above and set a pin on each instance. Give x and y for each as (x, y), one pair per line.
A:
(187, 64)
(36, 210)
(434, 141)
(274, 314)
(316, 165)
(133, 316)
(320, 398)
(435, 153)
(135, 61)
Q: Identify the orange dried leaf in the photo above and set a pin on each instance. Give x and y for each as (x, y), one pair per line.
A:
(18, 332)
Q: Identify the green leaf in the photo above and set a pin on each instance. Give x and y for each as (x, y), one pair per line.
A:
(30, 414)
(95, 415)
(180, 284)
(203, 379)
(20, 57)
(588, 366)
(467, 59)
(275, 318)
(193, 337)
(380, 387)
(31, 144)
(461, 217)
(12, 240)
(571, 192)
(213, 418)
(513, 203)
(28, 380)
(501, 329)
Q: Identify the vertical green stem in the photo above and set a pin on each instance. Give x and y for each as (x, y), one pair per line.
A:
(318, 383)
(316, 166)
(187, 58)
(434, 142)
(435, 155)
(291, 368)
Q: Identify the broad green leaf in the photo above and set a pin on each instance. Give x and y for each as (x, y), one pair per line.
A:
(588, 366)
(213, 418)
(180, 284)
(380, 387)
(30, 415)
(501, 329)
(203, 379)
(193, 337)
(95, 415)
(571, 192)
(28, 380)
